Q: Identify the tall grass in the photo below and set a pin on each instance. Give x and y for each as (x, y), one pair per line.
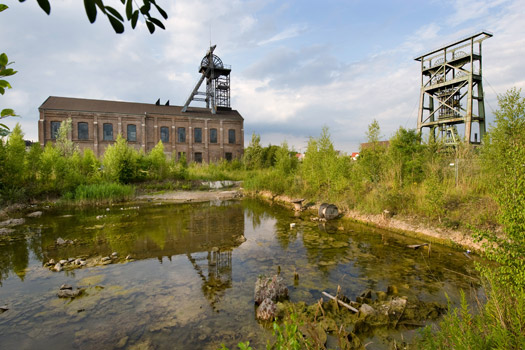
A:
(101, 193)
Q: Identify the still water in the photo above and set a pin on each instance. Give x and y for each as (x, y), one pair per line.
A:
(190, 282)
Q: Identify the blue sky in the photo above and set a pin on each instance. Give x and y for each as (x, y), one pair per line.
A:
(296, 65)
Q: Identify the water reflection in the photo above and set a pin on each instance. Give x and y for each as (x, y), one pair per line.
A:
(191, 283)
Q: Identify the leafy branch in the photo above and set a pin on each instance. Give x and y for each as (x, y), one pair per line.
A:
(132, 12)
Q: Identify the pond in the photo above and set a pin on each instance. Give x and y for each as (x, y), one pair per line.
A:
(183, 275)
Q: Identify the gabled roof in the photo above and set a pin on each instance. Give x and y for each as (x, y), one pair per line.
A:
(102, 106)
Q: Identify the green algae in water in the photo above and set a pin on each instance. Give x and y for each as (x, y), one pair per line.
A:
(190, 284)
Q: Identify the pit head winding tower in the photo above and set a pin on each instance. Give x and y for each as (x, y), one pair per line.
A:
(452, 90)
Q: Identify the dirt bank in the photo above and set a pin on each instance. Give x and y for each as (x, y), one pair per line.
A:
(407, 226)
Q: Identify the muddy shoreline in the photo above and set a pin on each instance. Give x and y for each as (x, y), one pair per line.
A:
(408, 226)
(411, 227)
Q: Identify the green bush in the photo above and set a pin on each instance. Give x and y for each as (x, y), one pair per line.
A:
(102, 192)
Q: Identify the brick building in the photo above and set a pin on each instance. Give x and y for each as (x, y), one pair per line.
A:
(202, 136)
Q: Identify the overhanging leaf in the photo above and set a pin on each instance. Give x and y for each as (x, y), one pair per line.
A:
(157, 22)
(134, 19)
(161, 11)
(118, 27)
(91, 10)
(129, 9)
(44, 5)
(151, 27)
(115, 13)
(8, 112)
(3, 60)
(3, 7)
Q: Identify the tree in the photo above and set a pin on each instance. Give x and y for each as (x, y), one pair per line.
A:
(4, 84)
(64, 143)
(504, 162)
(132, 13)
(254, 153)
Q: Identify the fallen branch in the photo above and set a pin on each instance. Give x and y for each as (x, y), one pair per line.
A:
(341, 302)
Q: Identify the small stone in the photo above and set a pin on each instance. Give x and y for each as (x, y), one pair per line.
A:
(3, 309)
(366, 310)
(35, 214)
(99, 217)
(114, 254)
(83, 263)
(292, 225)
(78, 261)
(70, 260)
(51, 262)
(58, 267)
(63, 262)
(68, 293)
(60, 241)
(122, 342)
(129, 257)
(106, 258)
(107, 209)
(65, 286)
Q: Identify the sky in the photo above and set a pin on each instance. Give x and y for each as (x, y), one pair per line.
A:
(297, 66)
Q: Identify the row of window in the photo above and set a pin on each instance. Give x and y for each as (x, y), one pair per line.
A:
(83, 133)
(197, 156)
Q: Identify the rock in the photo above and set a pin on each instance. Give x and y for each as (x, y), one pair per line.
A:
(63, 262)
(292, 225)
(58, 267)
(3, 309)
(83, 263)
(99, 217)
(6, 231)
(60, 241)
(65, 286)
(70, 260)
(241, 239)
(267, 310)
(106, 258)
(122, 342)
(107, 209)
(366, 311)
(272, 288)
(68, 293)
(114, 255)
(51, 262)
(78, 261)
(35, 214)
(129, 257)
(12, 222)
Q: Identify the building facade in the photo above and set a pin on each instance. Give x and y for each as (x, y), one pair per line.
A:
(200, 135)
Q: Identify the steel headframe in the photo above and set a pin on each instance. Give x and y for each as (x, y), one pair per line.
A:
(217, 77)
(450, 82)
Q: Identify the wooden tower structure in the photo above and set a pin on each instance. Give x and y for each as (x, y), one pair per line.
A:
(452, 90)
(217, 76)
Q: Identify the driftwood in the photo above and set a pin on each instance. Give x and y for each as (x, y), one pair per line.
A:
(417, 246)
(353, 309)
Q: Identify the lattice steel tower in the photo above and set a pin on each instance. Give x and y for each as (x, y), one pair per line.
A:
(451, 81)
(217, 75)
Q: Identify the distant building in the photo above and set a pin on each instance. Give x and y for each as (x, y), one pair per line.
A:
(354, 155)
(197, 133)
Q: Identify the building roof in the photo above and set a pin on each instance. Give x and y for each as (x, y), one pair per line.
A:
(102, 106)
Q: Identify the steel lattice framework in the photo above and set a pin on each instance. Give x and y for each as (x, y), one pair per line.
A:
(217, 76)
(451, 81)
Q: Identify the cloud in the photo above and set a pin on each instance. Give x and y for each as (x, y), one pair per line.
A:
(288, 33)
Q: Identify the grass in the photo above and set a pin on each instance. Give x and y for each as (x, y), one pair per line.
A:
(100, 193)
